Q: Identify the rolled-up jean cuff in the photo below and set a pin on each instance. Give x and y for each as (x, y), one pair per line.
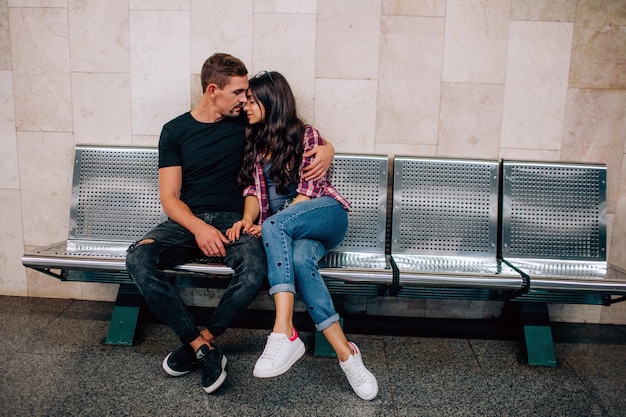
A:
(282, 288)
(327, 323)
(216, 331)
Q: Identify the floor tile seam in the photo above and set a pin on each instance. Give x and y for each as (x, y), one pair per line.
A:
(390, 391)
(474, 353)
(588, 385)
(59, 314)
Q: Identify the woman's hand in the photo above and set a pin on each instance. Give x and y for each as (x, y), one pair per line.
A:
(254, 231)
(243, 226)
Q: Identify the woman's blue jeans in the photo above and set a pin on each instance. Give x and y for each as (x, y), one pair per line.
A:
(170, 244)
(295, 239)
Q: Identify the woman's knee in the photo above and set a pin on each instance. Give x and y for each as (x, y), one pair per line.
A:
(306, 254)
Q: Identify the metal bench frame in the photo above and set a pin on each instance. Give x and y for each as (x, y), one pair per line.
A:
(436, 228)
(554, 232)
(115, 201)
(445, 227)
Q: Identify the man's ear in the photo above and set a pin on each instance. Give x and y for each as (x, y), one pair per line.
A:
(211, 89)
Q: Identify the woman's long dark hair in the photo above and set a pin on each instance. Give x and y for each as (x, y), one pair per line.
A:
(279, 135)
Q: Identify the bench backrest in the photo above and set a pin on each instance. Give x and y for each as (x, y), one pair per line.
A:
(115, 193)
(554, 211)
(115, 196)
(445, 207)
(362, 180)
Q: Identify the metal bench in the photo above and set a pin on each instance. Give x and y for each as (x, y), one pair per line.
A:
(442, 236)
(445, 228)
(360, 264)
(115, 201)
(554, 232)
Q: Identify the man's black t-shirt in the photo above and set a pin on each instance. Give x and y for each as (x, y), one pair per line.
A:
(210, 155)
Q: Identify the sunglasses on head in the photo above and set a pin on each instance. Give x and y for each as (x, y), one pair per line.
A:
(261, 74)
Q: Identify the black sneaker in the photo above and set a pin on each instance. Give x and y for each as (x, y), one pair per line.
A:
(181, 361)
(212, 363)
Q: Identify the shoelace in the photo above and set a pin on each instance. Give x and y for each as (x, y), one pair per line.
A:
(271, 348)
(355, 373)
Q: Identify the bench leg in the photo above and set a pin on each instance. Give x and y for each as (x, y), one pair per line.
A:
(322, 347)
(125, 316)
(537, 334)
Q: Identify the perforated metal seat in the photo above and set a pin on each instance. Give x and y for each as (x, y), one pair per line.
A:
(361, 257)
(115, 201)
(554, 226)
(445, 219)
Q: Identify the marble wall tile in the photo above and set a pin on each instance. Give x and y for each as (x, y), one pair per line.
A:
(9, 175)
(211, 32)
(614, 314)
(575, 313)
(156, 5)
(476, 41)
(347, 42)
(159, 84)
(149, 141)
(46, 162)
(5, 41)
(285, 6)
(42, 285)
(414, 8)
(544, 10)
(345, 113)
(409, 86)
(98, 292)
(37, 3)
(599, 45)
(286, 43)
(397, 307)
(196, 90)
(469, 120)
(101, 105)
(595, 128)
(99, 35)
(536, 85)
(41, 69)
(517, 154)
(466, 309)
(405, 149)
(617, 243)
(12, 273)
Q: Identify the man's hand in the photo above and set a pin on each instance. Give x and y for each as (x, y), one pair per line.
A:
(322, 158)
(211, 241)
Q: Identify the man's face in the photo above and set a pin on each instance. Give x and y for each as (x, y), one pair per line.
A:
(231, 99)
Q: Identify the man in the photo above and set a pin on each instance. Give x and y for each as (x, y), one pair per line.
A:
(200, 155)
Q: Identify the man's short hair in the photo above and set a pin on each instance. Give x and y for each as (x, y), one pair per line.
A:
(219, 67)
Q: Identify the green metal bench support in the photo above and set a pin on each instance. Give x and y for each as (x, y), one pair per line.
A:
(537, 335)
(125, 316)
(322, 347)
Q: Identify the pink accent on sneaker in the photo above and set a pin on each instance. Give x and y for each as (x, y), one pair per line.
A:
(295, 335)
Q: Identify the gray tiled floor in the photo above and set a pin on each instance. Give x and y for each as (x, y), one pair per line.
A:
(54, 364)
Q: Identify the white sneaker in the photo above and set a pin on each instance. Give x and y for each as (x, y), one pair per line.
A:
(362, 381)
(278, 356)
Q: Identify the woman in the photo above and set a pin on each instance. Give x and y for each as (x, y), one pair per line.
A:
(299, 222)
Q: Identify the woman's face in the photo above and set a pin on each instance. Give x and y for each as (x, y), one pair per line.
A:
(254, 109)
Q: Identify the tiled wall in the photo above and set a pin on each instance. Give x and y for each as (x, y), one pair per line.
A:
(518, 79)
